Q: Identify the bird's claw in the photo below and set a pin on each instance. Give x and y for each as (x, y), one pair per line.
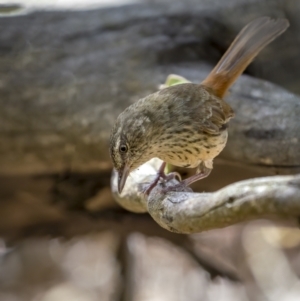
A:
(170, 176)
(179, 187)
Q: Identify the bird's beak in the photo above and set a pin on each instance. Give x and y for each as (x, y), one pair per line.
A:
(122, 176)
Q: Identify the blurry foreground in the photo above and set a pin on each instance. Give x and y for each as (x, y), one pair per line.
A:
(265, 258)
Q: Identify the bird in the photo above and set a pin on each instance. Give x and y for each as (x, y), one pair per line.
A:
(186, 124)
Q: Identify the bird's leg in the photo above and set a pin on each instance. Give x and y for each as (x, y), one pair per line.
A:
(160, 174)
(202, 172)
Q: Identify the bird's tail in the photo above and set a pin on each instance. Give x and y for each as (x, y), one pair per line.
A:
(249, 42)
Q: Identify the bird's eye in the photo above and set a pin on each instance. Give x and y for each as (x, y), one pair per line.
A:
(123, 148)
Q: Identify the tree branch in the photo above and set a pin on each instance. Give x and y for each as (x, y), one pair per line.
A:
(188, 212)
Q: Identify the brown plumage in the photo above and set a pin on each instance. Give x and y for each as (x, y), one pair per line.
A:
(186, 124)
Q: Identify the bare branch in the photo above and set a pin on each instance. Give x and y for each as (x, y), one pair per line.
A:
(188, 212)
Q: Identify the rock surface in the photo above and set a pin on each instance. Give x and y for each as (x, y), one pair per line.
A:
(65, 76)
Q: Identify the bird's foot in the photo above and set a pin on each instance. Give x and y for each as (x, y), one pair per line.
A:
(160, 175)
(179, 187)
(184, 185)
(165, 177)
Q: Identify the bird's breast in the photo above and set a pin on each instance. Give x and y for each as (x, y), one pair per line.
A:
(190, 153)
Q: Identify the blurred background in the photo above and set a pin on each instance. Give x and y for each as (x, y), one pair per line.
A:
(67, 69)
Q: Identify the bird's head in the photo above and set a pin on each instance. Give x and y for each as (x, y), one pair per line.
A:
(129, 144)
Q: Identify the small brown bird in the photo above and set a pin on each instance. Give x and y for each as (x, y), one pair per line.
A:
(186, 124)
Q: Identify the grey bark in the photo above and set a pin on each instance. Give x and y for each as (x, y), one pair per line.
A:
(182, 211)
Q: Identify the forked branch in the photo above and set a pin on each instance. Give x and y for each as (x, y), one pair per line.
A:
(189, 212)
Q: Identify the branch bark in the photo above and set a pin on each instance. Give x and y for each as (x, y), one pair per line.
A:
(188, 212)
